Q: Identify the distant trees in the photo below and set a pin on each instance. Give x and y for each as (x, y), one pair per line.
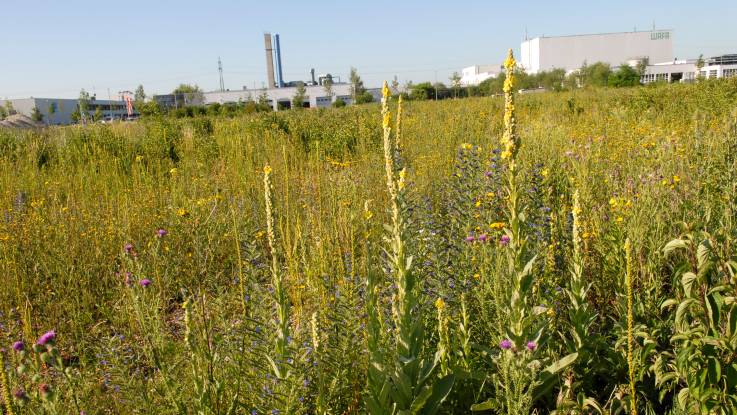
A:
(75, 116)
(36, 115)
(139, 97)
(699, 65)
(187, 89)
(193, 93)
(395, 85)
(642, 65)
(359, 94)
(624, 76)
(83, 106)
(3, 113)
(300, 95)
(423, 90)
(327, 85)
(455, 83)
(339, 103)
(262, 101)
(596, 74)
(9, 109)
(97, 116)
(51, 110)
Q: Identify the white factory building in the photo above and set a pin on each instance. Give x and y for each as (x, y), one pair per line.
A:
(570, 52)
(58, 111)
(474, 75)
(724, 66)
(317, 96)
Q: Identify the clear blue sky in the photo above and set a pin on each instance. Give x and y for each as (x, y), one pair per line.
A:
(53, 48)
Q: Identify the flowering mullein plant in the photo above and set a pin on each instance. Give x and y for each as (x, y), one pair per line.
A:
(518, 364)
(408, 374)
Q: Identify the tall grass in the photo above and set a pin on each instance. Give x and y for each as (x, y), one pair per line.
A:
(307, 304)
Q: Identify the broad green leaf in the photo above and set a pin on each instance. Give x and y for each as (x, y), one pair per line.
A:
(687, 280)
(483, 406)
(561, 364)
(674, 245)
(440, 390)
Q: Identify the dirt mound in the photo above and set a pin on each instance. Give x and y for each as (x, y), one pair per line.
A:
(20, 121)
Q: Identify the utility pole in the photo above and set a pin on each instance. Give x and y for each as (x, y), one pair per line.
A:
(220, 69)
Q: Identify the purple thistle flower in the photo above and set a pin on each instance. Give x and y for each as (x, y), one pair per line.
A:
(161, 232)
(128, 248)
(46, 338)
(19, 346)
(505, 344)
(531, 346)
(144, 282)
(470, 238)
(482, 238)
(504, 240)
(489, 174)
(20, 394)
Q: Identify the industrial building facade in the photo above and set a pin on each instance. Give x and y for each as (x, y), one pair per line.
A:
(317, 96)
(571, 52)
(474, 75)
(57, 111)
(724, 66)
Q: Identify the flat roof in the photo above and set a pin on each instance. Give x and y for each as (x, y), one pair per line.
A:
(602, 34)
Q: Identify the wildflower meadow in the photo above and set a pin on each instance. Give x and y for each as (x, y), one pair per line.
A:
(565, 252)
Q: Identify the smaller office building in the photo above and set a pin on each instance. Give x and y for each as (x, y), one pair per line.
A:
(58, 111)
(724, 66)
(474, 75)
(317, 96)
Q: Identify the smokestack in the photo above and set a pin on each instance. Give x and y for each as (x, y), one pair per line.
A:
(269, 60)
(312, 74)
(279, 76)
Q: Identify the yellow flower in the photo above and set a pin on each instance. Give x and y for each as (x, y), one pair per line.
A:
(477, 276)
(385, 90)
(466, 146)
(545, 172)
(498, 225)
(182, 212)
(267, 169)
(510, 63)
(173, 171)
(439, 303)
(619, 219)
(478, 203)
(676, 179)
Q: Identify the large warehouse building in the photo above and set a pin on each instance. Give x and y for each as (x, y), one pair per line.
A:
(570, 52)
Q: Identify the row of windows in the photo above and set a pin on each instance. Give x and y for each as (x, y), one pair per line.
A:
(728, 73)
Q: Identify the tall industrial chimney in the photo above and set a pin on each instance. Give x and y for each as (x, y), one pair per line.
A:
(312, 74)
(269, 60)
(279, 76)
